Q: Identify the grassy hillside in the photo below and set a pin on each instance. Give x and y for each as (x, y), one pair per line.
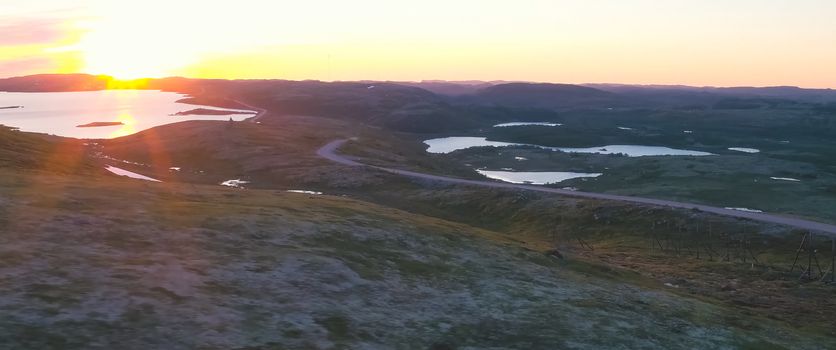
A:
(26, 152)
(92, 260)
(96, 262)
(280, 156)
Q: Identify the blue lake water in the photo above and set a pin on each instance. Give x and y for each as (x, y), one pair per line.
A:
(505, 125)
(534, 177)
(450, 144)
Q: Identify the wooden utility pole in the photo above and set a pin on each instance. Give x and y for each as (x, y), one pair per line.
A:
(807, 243)
(700, 239)
(798, 251)
(810, 257)
(832, 270)
(709, 245)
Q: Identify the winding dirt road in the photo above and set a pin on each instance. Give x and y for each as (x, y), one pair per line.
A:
(329, 151)
(257, 116)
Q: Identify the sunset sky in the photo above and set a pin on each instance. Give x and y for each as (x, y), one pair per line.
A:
(693, 42)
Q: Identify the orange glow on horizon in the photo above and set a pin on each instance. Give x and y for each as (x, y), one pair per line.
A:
(115, 83)
(691, 42)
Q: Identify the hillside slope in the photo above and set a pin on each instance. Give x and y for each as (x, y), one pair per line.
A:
(549, 96)
(103, 262)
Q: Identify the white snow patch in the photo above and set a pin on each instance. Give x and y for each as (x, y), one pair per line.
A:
(745, 209)
(744, 149)
(305, 192)
(133, 175)
(234, 183)
(785, 179)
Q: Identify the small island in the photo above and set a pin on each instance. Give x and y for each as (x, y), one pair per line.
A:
(206, 111)
(99, 124)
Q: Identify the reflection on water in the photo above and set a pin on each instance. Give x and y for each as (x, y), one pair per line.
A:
(59, 113)
(505, 125)
(534, 178)
(128, 126)
(635, 151)
(450, 144)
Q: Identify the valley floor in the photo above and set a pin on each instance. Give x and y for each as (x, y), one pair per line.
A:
(90, 260)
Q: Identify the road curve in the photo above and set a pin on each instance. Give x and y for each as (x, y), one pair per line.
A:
(329, 151)
(257, 116)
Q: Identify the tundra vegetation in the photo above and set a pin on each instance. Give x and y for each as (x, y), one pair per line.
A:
(92, 260)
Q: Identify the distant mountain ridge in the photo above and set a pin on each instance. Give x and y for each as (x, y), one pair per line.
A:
(437, 106)
(54, 83)
(88, 82)
(545, 95)
(779, 92)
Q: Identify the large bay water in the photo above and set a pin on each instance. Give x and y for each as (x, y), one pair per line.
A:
(60, 113)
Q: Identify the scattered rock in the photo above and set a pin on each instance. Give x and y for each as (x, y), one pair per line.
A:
(554, 253)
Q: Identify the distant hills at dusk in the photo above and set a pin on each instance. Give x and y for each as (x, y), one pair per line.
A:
(502, 90)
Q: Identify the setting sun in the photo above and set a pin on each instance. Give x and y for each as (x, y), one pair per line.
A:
(131, 42)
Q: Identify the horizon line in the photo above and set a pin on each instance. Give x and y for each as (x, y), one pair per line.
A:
(456, 81)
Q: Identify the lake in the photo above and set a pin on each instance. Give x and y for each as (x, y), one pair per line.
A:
(122, 112)
(634, 150)
(450, 144)
(506, 125)
(534, 177)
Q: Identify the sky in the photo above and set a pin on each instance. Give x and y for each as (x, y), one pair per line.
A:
(688, 42)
